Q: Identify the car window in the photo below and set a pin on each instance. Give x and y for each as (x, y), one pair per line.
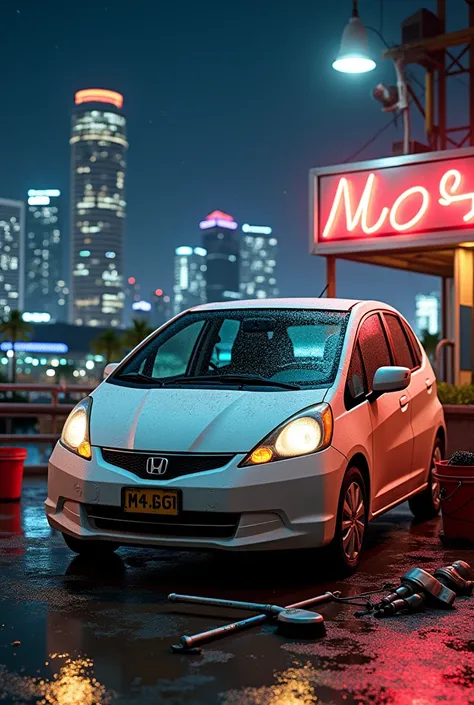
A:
(401, 346)
(172, 358)
(355, 384)
(311, 341)
(290, 346)
(374, 347)
(415, 345)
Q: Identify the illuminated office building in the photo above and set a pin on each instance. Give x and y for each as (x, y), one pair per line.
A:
(189, 277)
(428, 314)
(45, 289)
(98, 163)
(132, 296)
(12, 254)
(219, 238)
(161, 309)
(258, 255)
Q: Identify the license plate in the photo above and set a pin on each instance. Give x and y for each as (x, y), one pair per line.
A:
(151, 501)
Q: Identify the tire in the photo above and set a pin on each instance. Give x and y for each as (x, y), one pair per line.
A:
(345, 550)
(92, 549)
(427, 504)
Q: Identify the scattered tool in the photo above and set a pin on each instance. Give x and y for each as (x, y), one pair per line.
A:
(292, 620)
(458, 576)
(420, 589)
(417, 589)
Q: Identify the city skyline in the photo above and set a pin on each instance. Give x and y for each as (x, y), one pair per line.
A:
(252, 163)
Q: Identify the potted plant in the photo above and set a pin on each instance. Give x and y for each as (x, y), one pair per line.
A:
(458, 405)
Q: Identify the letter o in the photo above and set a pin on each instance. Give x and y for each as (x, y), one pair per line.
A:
(421, 212)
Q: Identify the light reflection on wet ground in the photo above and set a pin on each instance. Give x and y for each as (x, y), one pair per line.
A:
(99, 634)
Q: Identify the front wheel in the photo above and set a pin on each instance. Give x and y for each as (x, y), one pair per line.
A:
(345, 550)
(427, 504)
(91, 549)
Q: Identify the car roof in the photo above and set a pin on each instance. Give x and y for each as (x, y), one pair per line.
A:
(302, 303)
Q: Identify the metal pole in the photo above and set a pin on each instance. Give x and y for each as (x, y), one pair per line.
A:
(331, 277)
(443, 367)
(471, 79)
(441, 8)
(471, 138)
(429, 109)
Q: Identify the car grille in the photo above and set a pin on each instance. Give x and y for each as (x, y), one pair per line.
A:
(178, 464)
(218, 525)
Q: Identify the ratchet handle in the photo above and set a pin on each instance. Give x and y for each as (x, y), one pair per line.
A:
(217, 602)
(190, 642)
(318, 600)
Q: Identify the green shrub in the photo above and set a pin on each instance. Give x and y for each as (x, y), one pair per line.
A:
(453, 394)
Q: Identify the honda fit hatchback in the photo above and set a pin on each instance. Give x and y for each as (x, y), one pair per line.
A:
(253, 425)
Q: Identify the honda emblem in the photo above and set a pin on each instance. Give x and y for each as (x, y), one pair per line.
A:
(156, 466)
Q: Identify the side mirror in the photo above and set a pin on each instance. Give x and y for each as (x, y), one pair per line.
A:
(391, 379)
(110, 368)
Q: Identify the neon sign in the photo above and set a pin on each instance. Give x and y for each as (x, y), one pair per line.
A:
(99, 95)
(421, 199)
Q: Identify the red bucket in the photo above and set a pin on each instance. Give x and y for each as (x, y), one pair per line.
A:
(10, 520)
(11, 473)
(457, 499)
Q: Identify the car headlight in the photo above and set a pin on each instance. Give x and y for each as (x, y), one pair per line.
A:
(307, 432)
(75, 433)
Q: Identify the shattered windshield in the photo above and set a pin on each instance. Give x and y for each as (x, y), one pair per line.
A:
(280, 347)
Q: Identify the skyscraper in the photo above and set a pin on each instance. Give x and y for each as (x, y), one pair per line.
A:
(189, 277)
(98, 164)
(428, 314)
(220, 239)
(45, 288)
(12, 254)
(258, 253)
(160, 308)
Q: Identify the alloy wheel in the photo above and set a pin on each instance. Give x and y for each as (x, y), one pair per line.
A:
(353, 521)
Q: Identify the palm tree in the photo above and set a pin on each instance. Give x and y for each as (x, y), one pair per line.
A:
(13, 329)
(430, 341)
(109, 343)
(138, 332)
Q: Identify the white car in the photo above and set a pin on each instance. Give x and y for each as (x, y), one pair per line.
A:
(253, 425)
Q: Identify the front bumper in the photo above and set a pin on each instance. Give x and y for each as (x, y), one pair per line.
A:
(283, 505)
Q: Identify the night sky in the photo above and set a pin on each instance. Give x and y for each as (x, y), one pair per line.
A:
(229, 104)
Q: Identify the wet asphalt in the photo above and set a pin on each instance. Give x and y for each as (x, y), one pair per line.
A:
(76, 633)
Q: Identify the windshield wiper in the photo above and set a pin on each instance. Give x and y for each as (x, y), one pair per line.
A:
(257, 379)
(230, 379)
(139, 377)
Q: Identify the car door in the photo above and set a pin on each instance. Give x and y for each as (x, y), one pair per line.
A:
(422, 394)
(390, 415)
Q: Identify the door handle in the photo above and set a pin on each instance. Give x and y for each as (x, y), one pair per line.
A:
(429, 385)
(404, 401)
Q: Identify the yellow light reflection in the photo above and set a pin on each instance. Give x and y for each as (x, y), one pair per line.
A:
(295, 686)
(74, 684)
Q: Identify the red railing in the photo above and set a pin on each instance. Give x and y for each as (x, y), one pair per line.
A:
(50, 415)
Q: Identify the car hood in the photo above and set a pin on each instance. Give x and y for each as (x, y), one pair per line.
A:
(191, 420)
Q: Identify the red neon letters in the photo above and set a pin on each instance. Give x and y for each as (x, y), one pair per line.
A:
(417, 208)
